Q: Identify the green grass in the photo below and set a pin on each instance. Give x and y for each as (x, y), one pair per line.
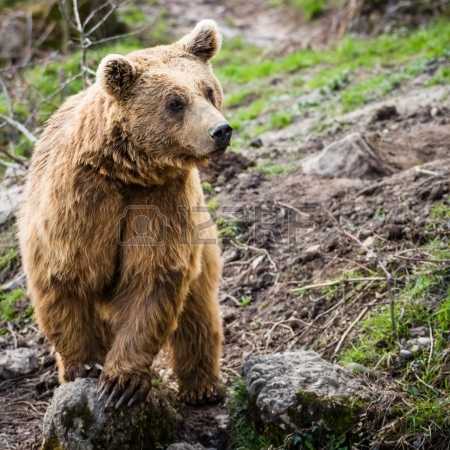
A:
(423, 302)
(228, 228)
(207, 187)
(8, 301)
(310, 9)
(213, 204)
(8, 258)
(385, 50)
(271, 169)
(281, 119)
(442, 76)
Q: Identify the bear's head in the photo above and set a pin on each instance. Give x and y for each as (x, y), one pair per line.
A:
(169, 100)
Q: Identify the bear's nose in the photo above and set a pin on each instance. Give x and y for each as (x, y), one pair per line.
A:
(221, 134)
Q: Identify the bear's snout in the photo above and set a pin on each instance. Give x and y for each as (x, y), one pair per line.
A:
(221, 134)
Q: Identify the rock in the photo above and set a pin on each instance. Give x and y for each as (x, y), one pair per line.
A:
(185, 446)
(418, 331)
(9, 201)
(358, 369)
(310, 253)
(256, 143)
(416, 345)
(351, 157)
(297, 391)
(17, 362)
(77, 420)
(385, 112)
(406, 355)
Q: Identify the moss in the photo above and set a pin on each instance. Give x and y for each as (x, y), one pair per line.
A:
(336, 416)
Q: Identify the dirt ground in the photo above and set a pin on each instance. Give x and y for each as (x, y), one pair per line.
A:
(286, 232)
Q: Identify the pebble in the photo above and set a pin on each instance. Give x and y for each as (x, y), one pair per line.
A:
(406, 354)
(20, 361)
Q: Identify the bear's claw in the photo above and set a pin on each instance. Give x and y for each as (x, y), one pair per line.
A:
(91, 370)
(204, 395)
(119, 391)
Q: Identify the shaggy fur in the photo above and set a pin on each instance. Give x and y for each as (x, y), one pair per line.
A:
(109, 230)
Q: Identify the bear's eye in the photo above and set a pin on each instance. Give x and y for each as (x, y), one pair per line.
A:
(210, 94)
(176, 104)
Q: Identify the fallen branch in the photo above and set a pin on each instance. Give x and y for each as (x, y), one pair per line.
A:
(334, 282)
(18, 126)
(350, 328)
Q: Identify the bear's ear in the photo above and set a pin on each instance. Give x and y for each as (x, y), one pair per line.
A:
(116, 74)
(204, 41)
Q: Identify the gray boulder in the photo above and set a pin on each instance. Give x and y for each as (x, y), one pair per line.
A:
(76, 420)
(17, 362)
(350, 157)
(299, 390)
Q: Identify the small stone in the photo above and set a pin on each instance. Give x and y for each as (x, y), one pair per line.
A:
(357, 368)
(17, 362)
(418, 331)
(310, 253)
(414, 349)
(406, 354)
(256, 143)
(424, 342)
(386, 112)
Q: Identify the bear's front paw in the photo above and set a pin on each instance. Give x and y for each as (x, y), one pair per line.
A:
(86, 370)
(124, 389)
(204, 394)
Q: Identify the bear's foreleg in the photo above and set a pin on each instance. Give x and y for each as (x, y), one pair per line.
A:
(197, 342)
(69, 323)
(142, 325)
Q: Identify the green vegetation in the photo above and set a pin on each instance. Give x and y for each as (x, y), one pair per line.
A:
(243, 434)
(213, 204)
(245, 300)
(309, 8)
(281, 119)
(228, 228)
(388, 49)
(7, 259)
(423, 302)
(8, 305)
(271, 169)
(354, 72)
(207, 187)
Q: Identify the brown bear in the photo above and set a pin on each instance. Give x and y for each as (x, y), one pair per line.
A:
(119, 250)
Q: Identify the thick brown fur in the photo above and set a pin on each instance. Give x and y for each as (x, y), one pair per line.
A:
(110, 228)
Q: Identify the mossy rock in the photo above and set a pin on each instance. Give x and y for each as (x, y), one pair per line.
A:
(77, 420)
(299, 392)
